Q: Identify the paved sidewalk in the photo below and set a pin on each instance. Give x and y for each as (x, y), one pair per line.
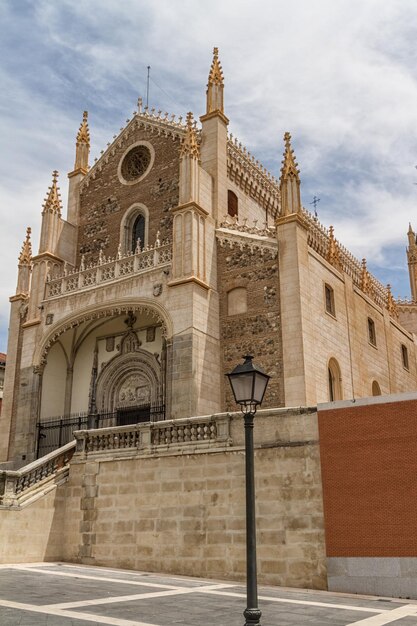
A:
(64, 595)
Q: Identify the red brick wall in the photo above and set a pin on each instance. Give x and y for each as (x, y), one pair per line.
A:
(369, 472)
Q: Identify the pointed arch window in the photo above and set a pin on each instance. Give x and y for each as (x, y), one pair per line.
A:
(376, 389)
(371, 332)
(404, 355)
(138, 232)
(329, 300)
(133, 226)
(334, 380)
(232, 203)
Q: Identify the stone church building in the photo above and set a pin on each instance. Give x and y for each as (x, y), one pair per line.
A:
(177, 254)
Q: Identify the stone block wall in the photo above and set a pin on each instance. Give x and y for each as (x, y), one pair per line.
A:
(34, 533)
(182, 511)
(105, 200)
(256, 331)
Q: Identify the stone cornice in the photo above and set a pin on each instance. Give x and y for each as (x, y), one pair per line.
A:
(190, 205)
(79, 170)
(293, 217)
(47, 255)
(30, 323)
(241, 239)
(18, 296)
(219, 114)
(188, 280)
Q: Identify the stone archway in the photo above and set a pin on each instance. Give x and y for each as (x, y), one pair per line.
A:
(131, 384)
(129, 380)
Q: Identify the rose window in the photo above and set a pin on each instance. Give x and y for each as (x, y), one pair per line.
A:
(135, 163)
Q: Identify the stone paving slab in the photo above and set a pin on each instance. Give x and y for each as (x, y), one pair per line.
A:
(75, 595)
(123, 575)
(48, 588)
(203, 609)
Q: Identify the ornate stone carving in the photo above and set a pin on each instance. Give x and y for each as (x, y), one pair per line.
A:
(135, 390)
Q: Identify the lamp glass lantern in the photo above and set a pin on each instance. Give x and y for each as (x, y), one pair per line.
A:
(248, 383)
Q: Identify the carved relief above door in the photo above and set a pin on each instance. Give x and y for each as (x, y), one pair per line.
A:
(134, 391)
(130, 379)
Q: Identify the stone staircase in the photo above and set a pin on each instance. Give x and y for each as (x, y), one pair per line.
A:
(18, 488)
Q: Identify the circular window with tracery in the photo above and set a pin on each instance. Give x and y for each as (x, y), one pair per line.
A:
(135, 163)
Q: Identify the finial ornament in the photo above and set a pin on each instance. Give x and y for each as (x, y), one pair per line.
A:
(333, 253)
(289, 164)
(365, 278)
(82, 146)
(52, 202)
(391, 306)
(216, 73)
(290, 180)
(215, 86)
(411, 236)
(84, 133)
(25, 256)
(189, 146)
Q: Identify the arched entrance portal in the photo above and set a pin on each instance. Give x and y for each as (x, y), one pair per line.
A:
(106, 365)
(131, 384)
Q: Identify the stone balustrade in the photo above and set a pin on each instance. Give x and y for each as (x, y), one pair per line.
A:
(169, 435)
(110, 269)
(17, 485)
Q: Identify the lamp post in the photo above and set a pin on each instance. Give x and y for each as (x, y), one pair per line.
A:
(249, 383)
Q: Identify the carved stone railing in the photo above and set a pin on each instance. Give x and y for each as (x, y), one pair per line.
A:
(110, 269)
(318, 239)
(406, 301)
(17, 486)
(169, 435)
(263, 230)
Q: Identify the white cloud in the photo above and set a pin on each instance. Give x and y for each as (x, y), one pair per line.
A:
(340, 75)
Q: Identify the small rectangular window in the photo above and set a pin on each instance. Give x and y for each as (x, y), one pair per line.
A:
(371, 332)
(329, 297)
(404, 354)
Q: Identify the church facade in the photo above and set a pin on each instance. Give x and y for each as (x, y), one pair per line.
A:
(178, 254)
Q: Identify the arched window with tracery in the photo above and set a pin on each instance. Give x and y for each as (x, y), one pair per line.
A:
(334, 380)
(133, 226)
(138, 232)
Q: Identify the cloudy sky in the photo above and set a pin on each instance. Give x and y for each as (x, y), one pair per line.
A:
(340, 75)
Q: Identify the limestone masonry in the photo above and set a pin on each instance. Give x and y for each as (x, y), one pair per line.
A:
(178, 254)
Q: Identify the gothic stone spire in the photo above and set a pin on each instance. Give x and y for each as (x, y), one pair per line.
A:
(215, 86)
(83, 145)
(189, 145)
(52, 202)
(25, 256)
(290, 180)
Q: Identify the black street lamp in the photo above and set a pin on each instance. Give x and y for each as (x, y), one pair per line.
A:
(249, 383)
